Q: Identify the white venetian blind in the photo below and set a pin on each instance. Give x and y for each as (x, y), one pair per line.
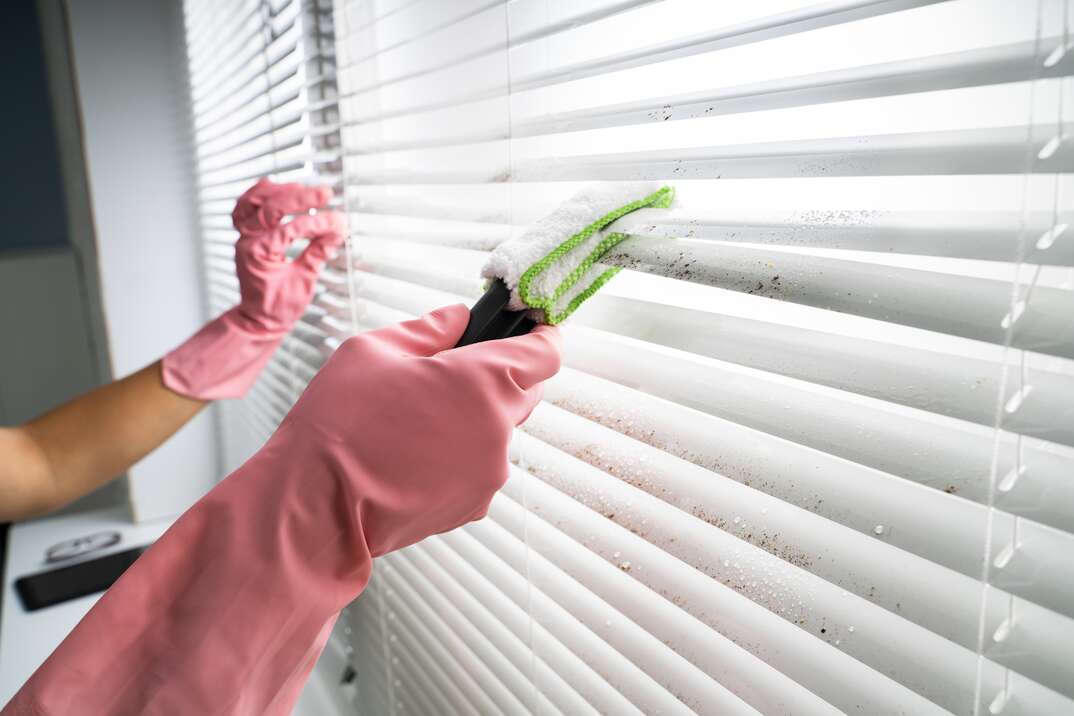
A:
(813, 451)
(263, 93)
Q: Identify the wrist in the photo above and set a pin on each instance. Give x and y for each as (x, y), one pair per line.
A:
(222, 360)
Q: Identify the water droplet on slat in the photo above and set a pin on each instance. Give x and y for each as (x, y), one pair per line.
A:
(1002, 631)
(1049, 149)
(878, 530)
(1015, 313)
(1055, 55)
(1004, 558)
(1012, 476)
(1048, 237)
(1016, 400)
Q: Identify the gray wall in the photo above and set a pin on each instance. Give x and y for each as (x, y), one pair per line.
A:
(53, 344)
(31, 190)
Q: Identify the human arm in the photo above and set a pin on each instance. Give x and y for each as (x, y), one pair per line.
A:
(82, 444)
(398, 437)
(91, 439)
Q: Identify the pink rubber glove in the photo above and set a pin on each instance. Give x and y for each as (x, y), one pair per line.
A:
(223, 359)
(395, 439)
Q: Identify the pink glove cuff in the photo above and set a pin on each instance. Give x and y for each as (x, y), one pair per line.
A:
(222, 360)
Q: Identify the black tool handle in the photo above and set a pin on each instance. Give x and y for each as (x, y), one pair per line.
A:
(491, 319)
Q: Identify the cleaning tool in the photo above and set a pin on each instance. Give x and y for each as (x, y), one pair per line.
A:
(546, 273)
(223, 359)
(396, 438)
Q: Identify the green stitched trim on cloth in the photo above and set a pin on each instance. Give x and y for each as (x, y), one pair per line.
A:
(660, 199)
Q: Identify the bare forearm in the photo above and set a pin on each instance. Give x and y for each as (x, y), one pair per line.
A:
(86, 442)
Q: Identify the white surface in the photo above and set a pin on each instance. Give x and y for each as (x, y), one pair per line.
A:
(128, 61)
(27, 638)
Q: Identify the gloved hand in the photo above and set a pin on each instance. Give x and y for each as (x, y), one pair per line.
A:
(398, 437)
(223, 359)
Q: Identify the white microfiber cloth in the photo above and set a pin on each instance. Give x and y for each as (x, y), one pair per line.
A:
(552, 267)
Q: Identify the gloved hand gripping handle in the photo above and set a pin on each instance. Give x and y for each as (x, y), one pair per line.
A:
(491, 319)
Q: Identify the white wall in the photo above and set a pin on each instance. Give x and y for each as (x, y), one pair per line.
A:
(129, 66)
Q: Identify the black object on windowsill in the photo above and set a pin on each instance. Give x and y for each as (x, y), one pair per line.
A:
(56, 586)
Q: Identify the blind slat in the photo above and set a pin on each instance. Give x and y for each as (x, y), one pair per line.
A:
(810, 451)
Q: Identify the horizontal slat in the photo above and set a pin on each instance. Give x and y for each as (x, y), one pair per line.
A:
(262, 74)
(479, 33)
(359, 13)
(294, 153)
(442, 646)
(992, 65)
(454, 43)
(874, 637)
(963, 75)
(936, 378)
(261, 103)
(985, 151)
(460, 647)
(504, 592)
(218, 24)
(860, 563)
(809, 17)
(939, 453)
(267, 144)
(266, 105)
(800, 20)
(420, 693)
(849, 684)
(226, 64)
(885, 507)
(982, 235)
(750, 678)
(1000, 150)
(278, 119)
(557, 636)
(897, 442)
(955, 305)
(638, 665)
(216, 68)
(501, 650)
(943, 529)
(429, 673)
(411, 24)
(816, 197)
